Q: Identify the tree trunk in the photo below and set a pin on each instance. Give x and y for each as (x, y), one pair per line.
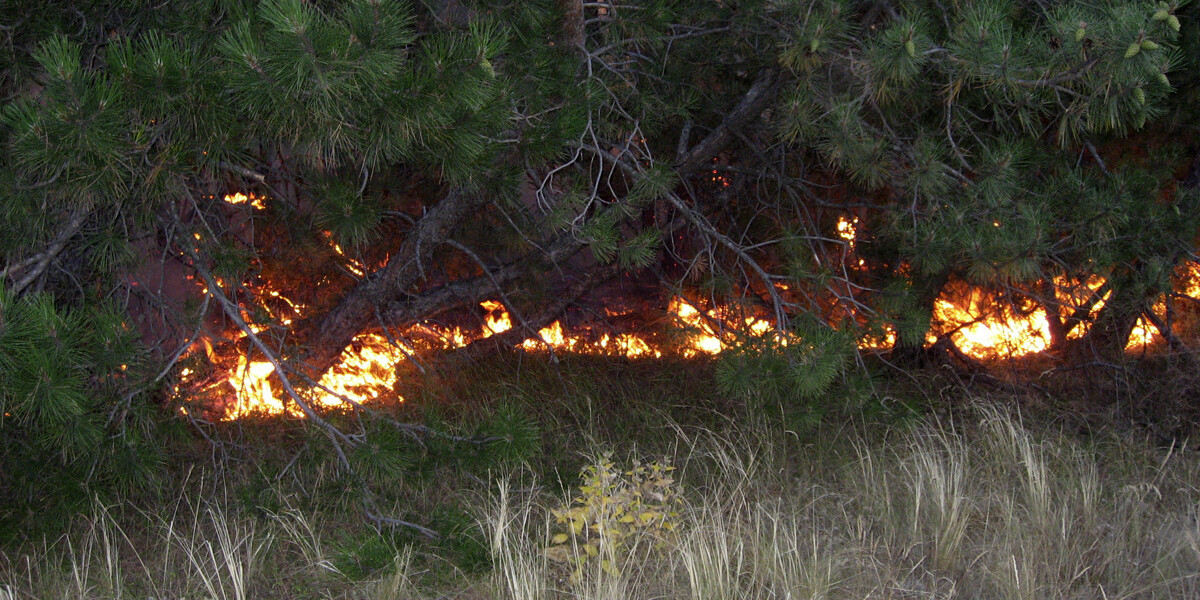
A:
(571, 34)
(391, 293)
(1060, 326)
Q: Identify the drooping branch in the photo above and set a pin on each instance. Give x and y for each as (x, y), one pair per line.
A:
(339, 439)
(410, 308)
(1062, 326)
(709, 231)
(405, 268)
(233, 313)
(547, 315)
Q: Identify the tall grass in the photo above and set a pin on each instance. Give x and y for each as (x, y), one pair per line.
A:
(982, 507)
(185, 551)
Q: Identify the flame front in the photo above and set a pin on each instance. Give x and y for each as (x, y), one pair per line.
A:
(366, 369)
(1020, 333)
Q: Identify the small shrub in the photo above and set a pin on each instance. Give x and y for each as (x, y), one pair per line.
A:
(614, 511)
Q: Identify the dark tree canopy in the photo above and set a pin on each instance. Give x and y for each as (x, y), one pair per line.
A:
(529, 151)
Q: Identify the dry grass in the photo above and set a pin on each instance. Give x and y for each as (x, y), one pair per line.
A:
(984, 507)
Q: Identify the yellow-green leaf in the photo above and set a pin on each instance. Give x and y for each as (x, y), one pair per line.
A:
(609, 568)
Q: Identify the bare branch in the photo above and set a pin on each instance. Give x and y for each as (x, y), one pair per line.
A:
(43, 259)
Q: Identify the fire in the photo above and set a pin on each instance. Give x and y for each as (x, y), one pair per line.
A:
(711, 332)
(366, 369)
(241, 198)
(351, 265)
(847, 230)
(981, 333)
(1017, 335)
(707, 340)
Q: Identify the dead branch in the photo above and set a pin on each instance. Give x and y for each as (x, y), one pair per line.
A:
(544, 317)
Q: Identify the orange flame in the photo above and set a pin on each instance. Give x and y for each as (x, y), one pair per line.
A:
(980, 334)
(366, 370)
(241, 198)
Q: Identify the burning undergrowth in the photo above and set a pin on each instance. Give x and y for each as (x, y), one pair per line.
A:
(238, 384)
(228, 375)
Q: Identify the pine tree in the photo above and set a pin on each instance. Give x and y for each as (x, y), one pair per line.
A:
(468, 150)
(978, 126)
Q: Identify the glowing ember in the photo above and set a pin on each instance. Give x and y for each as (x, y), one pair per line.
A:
(351, 265)
(846, 230)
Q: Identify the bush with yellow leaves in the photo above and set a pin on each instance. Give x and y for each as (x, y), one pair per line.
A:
(615, 512)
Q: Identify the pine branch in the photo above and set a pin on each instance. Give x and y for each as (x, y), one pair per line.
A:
(234, 313)
(710, 232)
(334, 331)
(526, 328)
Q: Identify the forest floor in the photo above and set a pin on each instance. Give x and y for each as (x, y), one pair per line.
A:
(632, 480)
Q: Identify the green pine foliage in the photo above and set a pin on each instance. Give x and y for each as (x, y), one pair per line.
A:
(974, 118)
(510, 436)
(72, 422)
(799, 366)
